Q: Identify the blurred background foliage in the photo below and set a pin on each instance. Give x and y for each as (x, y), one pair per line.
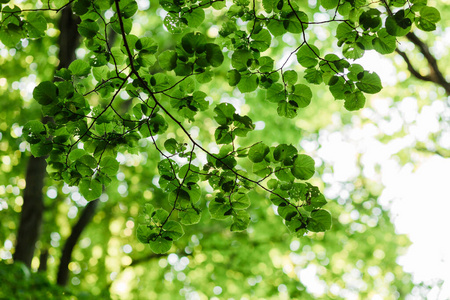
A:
(356, 259)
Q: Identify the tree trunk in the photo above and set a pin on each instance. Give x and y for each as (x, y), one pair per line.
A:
(83, 221)
(32, 209)
(33, 204)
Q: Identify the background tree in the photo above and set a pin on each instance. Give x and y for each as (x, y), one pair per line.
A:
(95, 123)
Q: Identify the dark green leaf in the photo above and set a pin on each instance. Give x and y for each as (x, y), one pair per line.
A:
(45, 93)
(303, 167)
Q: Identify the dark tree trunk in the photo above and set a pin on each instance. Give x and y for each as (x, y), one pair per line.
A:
(83, 221)
(32, 210)
(33, 204)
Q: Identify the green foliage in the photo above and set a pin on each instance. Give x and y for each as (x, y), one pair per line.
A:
(146, 88)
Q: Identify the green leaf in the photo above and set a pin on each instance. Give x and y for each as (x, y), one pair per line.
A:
(276, 93)
(284, 152)
(369, 83)
(127, 8)
(308, 55)
(261, 41)
(195, 17)
(109, 165)
(233, 77)
(301, 95)
(160, 245)
(429, 16)
(168, 60)
(354, 101)
(241, 219)
(145, 234)
(297, 21)
(384, 43)
(240, 59)
(329, 4)
(290, 77)
(76, 154)
(224, 113)
(219, 209)
(258, 152)
(42, 148)
(214, 55)
(193, 42)
(11, 34)
(248, 83)
(171, 145)
(35, 25)
(34, 132)
(80, 68)
(313, 76)
(398, 24)
(320, 221)
(189, 216)
(303, 167)
(45, 93)
(240, 201)
(172, 230)
(90, 189)
(287, 109)
(88, 28)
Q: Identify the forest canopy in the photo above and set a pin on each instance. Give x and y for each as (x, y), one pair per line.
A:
(188, 120)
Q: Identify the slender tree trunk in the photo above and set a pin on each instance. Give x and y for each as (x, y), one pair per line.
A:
(32, 210)
(83, 221)
(33, 203)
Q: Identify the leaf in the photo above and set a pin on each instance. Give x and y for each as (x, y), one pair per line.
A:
(429, 16)
(34, 132)
(171, 145)
(329, 4)
(80, 68)
(214, 54)
(76, 154)
(258, 152)
(240, 59)
(248, 84)
(160, 245)
(189, 216)
(313, 76)
(109, 165)
(195, 17)
(45, 93)
(290, 77)
(369, 83)
(193, 42)
(284, 152)
(308, 55)
(261, 41)
(320, 221)
(127, 8)
(276, 93)
(303, 167)
(224, 113)
(384, 43)
(233, 77)
(88, 28)
(287, 109)
(172, 230)
(168, 60)
(302, 95)
(42, 148)
(91, 189)
(241, 219)
(219, 209)
(240, 201)
(36, 25)
(398, 25)
(354, 101)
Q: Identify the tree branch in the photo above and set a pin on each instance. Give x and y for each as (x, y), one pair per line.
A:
(435, 75)
(83, 221)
